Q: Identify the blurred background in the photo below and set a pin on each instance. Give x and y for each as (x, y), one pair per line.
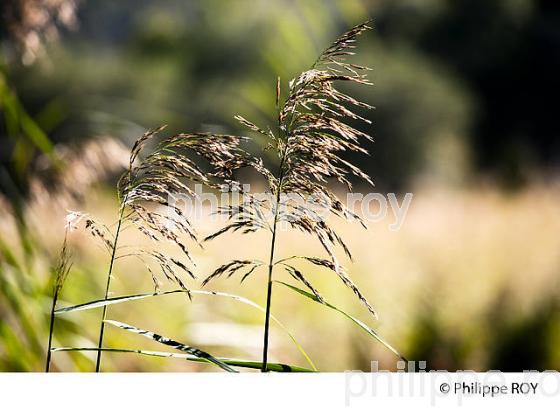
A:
(465, 95)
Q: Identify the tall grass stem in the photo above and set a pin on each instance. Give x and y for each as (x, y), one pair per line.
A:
(61, 271)
(107, 288)
(51, 330)
(271, 267)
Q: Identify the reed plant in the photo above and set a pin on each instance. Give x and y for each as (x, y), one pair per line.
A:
(313, 131)
(311, 135)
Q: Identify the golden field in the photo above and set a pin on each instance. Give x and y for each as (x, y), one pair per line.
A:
(470, 281)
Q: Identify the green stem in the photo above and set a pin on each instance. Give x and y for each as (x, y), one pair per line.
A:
(51, 331)
(268, 299)
(275, 367)
(109, 275)
(264, 367)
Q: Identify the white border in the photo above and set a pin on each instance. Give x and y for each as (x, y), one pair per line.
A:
(267, 391)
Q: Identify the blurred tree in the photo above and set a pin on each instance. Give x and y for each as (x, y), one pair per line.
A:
(508, 55)
(453, 78)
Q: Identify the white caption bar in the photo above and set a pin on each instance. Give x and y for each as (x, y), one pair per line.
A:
(351, 390)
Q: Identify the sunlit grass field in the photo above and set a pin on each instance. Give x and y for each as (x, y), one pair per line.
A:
(470, 281)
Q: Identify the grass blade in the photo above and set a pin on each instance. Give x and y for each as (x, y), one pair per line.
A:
(110, 301)
(275, 367)
(259, 307)
(365, 327)
(172, 343)
(120, 299)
